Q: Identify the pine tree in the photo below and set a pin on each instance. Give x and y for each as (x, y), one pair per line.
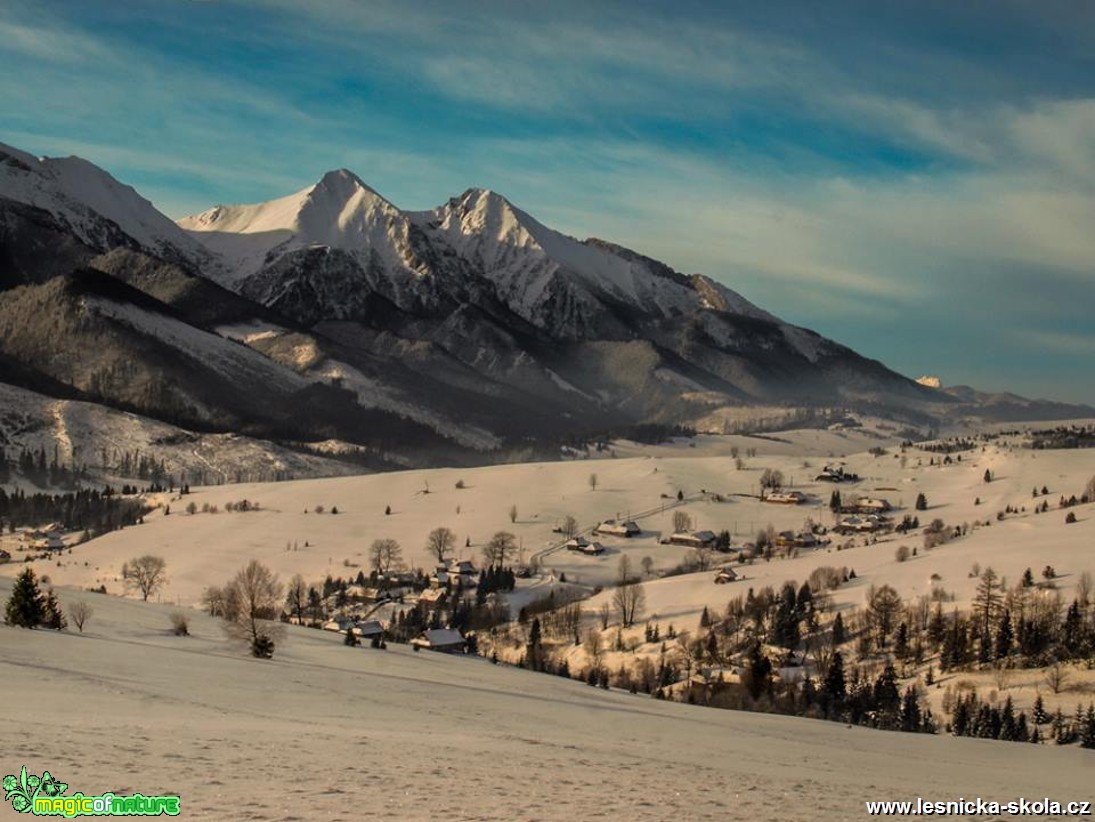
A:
(1009, 730)
(1039, 711)
(1087, 728)
(910, 711)
(1004, 636)
(834, 687)
(52, 615)
(705, 618)
(25, 607)
(839, 634)
(901, 643)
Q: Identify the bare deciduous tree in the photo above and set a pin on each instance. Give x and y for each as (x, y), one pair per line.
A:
(648, 565)
(253, 599)
(681, 521)
(771, 478)
(501, 546)
(441, 542)
(570, 526)
(513, 513)
(593, 648)
(213, 600)
(623, 570)
(79, 613)
(147, 574)
(386, 554)
(593, 482)
(629, 600)
(700, 559)
(1056, 677)
(883, 606)
(296, 600)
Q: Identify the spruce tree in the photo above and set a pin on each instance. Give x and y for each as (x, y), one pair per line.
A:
(25, 607)
(839, 634)
(1039, 711)
(1087, 728)
(835, 688)
(52, 615)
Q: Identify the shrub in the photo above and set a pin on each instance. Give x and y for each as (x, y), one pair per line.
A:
(180, 623)
(902, 554)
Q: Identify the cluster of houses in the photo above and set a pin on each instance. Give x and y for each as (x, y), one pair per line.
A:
(864, 515)
(856, 524)
(45, 539)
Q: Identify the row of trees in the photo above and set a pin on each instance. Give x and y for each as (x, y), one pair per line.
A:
(93, 511)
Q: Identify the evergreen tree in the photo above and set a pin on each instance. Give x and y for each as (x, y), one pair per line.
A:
(834, 687)
(1039, 711)
(839, 634)
(52, 615)
(901, 643)
(887, 697)
(1004, 636)
(1009, 728)
(705, 618)
(910, 711)
(758, 671)
(1087, 728)
(25, 607)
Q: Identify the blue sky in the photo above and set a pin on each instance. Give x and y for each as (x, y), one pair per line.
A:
(915, 180)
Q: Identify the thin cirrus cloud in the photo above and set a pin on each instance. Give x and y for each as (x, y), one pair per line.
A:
(915, 180)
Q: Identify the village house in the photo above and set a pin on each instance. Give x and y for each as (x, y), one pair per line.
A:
(802, 539)
(693, 539)
(709, 680)
(868, 524)
(786, 497)
(445, 640)
(576, 543)
(725, 575)
(870, 505)
(614, 528)
(368, 630)
(457, 573)
(45, 539)
(835, 473)
(432, 597)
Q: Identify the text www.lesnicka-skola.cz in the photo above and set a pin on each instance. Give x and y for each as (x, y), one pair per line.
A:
(979, 807)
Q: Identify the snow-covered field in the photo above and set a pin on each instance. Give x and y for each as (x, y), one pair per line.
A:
(328, 732)
(287, 534)
(323, 731)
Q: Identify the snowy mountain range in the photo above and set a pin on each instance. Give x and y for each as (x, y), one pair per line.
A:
(463, 333)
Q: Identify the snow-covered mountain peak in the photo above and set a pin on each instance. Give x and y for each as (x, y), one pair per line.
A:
(93, 203)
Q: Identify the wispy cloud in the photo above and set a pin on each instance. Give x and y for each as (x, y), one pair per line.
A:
(907, 182)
